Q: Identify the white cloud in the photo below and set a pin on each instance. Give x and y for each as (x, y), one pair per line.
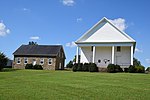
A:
(120, 23)
(34, 38)
(3, 30)
(68, 2)
(79, 19)
(138, 50)
(148, 61)
(26, 9)
(72, 44)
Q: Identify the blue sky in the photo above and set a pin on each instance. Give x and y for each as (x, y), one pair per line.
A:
(64, 21)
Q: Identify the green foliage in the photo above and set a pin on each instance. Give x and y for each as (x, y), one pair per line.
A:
(3, 60)
(136, 62)
(93, 67)
(112, 68)
(79, 67)
(38, 67)
(118, 68)
(126, 69)
(29, 66)
(132, 69)
(32, 43)
(75, 66)
(140, 69)
(136, 69)
(85, 67)
(70, 64)
(79, 57)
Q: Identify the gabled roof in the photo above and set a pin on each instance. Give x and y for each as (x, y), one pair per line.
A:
(104, 32)
(38, 50)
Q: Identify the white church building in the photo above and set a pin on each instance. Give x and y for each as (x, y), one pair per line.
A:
(103, 44)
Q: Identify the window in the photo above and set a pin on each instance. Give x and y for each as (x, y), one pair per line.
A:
(50, 61)
(18, 60)
(42, 61)
(25, 60)
(118, 48)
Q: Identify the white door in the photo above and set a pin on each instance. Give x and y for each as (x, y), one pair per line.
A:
(118, 60)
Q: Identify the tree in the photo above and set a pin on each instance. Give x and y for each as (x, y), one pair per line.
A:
(3, 60)
(32, 43)
(79, 57)
(136, 62)
(70, 64)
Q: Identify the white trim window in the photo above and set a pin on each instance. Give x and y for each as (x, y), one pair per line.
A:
(49, 61)
(42, 61)
(118, 49)
(18, 60)
(25, 60)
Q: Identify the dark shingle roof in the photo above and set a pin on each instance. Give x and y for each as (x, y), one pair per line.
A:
(38, 50)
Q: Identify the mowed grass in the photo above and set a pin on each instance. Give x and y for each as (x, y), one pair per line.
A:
(68, 85)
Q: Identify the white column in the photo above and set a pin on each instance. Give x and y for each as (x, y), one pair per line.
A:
(77, 55)
(132, 55)
(113, 54)
(93, 54)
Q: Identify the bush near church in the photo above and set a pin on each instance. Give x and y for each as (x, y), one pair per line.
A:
(86, 67)
(112, 68)
(70, 64)
(136, 69)
(30, 66)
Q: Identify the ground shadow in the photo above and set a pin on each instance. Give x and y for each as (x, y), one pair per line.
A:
(8, 70)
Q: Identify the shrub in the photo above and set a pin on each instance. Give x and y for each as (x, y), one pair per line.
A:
(38, 67)
(132, 69)
(85, 67)
(118, 68)
(140, 69)
(93, 67)
(111, 68)
(136, 69)
(79, 67)
(29, 66)
(74, 68)
(126, 69)
(70, 64)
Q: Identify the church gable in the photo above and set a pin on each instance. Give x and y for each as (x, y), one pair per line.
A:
(105, 31)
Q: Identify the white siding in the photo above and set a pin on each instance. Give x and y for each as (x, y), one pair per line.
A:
(86, 55)
(103, 53)
(123, 57)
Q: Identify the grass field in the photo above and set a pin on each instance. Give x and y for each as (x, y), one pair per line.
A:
(67, 85)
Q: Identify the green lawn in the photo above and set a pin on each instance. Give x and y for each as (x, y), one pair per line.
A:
(67, 85)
